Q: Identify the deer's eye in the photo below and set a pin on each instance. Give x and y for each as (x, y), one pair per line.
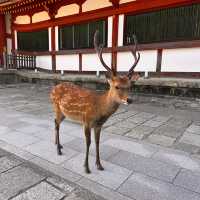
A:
(117, 87)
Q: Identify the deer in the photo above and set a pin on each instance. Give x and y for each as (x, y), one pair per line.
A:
(89, 107)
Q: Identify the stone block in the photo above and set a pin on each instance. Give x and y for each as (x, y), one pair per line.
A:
(161, 140)
(42, 191)
(144, 187)
(193, 129)
(132, 147)
(190, 138)
(148, 166)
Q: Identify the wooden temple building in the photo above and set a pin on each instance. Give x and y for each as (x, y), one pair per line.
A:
(60, 34)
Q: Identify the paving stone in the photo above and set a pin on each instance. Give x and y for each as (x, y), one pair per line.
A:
(2, 152)
(137, 120)
(162, 119)
(48, 151)
(146, 188)
(99, 190)
(140, 132)
(15, 138)
(190, 138)
(4, 129)
(61, 184)
(126, 124)
(117, 130)
(132, 147)
(161, 140)
(193, 129)
(153, 124)
(7, 163)
(187, 147)
(56, 169)
(111, 177)
(80, 146)
(177, 122)
(18, 179)
(42, 191)
(31, 129)
(188, 180)
(145, 115)
(178, 158)
(148, 166)
(170, 131)
(16, 150)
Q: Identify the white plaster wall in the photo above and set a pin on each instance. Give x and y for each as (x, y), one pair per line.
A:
(120, 30)
(181, 60)
(68, 10)
(148, 61)
(8, 23)
(90, 62)
(67, 62)
(95, 4)
(110, 28)
(56, 38)
(25, 19)
(44, 62)
(40, 16)
(9, 45)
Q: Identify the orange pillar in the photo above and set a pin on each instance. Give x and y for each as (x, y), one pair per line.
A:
(2, 37)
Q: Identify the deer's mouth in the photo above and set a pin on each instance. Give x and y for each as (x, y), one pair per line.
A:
(127, 101)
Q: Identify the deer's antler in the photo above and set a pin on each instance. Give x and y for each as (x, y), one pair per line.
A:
(99, 49)
(136, 57)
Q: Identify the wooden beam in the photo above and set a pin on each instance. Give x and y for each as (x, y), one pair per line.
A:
(114, 42)
(136, 7)
(53, 46)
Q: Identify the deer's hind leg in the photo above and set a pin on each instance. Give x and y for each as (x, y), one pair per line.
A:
(59, 118)
(88, 142)
(97, 131)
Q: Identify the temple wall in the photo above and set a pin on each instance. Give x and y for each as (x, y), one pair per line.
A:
(91, 62)
(181, 60)
(44, 62)
(147, 62)
(67, 62)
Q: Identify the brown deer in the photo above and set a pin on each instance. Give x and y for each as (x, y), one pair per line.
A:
(90, 108)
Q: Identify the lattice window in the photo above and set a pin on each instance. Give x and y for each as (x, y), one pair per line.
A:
(80, 36)
(167, 25)
(33, 41)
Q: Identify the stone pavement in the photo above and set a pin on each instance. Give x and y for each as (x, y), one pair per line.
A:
(150, 149)
(22, 180)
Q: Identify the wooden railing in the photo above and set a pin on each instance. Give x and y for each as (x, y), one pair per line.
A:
(12, 61)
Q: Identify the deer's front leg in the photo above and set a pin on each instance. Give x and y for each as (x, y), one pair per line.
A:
(88, 142)
(97, 131)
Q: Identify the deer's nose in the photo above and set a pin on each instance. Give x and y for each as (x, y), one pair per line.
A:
(129, 101)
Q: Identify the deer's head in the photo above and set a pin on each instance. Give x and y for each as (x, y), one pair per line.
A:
(119, 84)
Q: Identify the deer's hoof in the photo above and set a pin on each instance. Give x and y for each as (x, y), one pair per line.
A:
(59, 152)
(87, 171)
(100, 167)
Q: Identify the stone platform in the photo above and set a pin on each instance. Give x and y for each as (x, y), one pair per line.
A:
(150, 149)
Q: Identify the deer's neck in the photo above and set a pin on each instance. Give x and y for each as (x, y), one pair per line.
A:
(109, 104)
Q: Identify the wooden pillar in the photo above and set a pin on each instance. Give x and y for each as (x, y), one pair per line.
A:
(53, 49)
(159, 60)
(2, 37)
(114, 42)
